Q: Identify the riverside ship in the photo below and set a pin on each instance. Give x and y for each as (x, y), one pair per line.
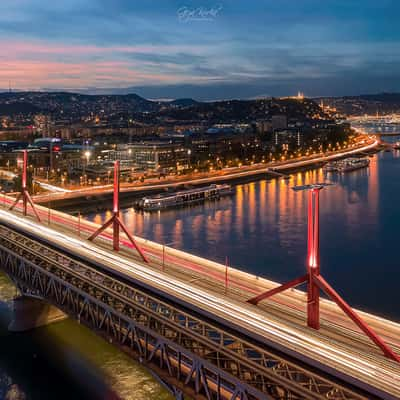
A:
(347, 165)
(182, 198)
(353, 164)
(331, 166)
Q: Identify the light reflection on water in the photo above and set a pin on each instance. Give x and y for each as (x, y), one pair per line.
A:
(66, 361)
(262, 228)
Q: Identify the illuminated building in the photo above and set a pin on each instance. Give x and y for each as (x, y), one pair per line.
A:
(160, 156)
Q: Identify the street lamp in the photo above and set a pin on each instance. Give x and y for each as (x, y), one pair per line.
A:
(87, 155)
(189, 152)
(316, 282)
(163, 253)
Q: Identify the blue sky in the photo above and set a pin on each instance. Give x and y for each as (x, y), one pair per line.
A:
(202, 49)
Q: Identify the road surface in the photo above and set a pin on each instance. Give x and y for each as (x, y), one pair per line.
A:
(280, 322)
(224, 176)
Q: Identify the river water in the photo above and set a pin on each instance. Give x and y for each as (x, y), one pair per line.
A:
(262, 229)
(66, 361)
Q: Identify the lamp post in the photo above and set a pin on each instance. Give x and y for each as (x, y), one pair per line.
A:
(189, 153)
(24, 194)
(116, 222)
(86, 155)
(163, 253)
(226, 274)
(316, 282)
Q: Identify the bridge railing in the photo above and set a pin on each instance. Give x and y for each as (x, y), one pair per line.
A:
(195, 355)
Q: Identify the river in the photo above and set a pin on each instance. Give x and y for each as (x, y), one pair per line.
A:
(261, 229)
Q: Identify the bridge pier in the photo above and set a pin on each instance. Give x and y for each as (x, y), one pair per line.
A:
(30, 313)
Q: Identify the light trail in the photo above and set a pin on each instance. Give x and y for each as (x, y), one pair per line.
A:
(52, 188)
(207, 180)
(371, 369)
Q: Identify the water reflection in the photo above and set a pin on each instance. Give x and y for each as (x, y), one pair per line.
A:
(262, 228)
(66, 361)
(10, 390)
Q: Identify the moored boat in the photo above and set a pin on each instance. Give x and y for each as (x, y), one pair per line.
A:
(331, 167)
(184, 197)
(347, 165)
(353, 164)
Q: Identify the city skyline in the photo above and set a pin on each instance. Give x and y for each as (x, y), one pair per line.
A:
(202, 49)
(199, 199)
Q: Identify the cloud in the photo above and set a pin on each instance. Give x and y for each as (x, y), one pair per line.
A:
(250, 45)
(38, 74)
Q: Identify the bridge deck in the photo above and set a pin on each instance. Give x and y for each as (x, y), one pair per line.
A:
(338, 347)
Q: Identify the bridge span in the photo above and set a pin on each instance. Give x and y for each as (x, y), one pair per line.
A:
(187, 319)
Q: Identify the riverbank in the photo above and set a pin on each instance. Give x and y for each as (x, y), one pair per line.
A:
(98, 198)
(262, 229)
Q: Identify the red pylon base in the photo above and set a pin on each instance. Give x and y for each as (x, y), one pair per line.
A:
(26, 199)
(315, 283)
(117, 223)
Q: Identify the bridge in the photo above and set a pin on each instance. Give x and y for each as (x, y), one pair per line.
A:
(188, 319)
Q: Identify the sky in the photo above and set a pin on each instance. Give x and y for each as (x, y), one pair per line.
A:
(201, 49)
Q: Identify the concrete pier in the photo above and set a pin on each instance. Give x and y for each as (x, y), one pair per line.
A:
(31, 313)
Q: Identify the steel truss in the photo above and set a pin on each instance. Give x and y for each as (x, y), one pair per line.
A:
(195, 357)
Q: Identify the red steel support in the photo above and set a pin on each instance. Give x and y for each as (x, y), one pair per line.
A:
(313, 259)
(315, 281)
(291, 284)
(24, 194)
(116, 221)
(324, 285)
(116, 210)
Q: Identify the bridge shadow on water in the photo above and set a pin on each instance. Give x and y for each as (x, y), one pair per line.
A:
(66, 360)
(40, 365)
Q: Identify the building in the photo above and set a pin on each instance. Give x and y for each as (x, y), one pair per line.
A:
(160, 156)
(121, 152)
(279, 122)
(264, 126)
(43, 125)
(7, 146)
(291, 138)
(47, 144)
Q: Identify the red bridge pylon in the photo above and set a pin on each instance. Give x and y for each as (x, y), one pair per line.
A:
(24, 194)
(116, 221)
(316, 282)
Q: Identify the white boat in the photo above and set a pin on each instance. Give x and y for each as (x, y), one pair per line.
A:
(331, 166)
(352, 164)
(184, 197)
(347, 165)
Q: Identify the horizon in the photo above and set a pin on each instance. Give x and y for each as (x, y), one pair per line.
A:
(131, 91)
(201, 49)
